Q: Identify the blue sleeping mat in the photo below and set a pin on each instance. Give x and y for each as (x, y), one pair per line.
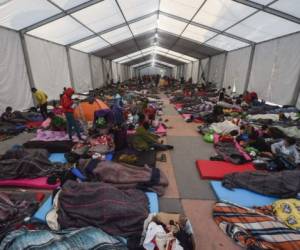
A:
(153, 202)
(240, 196)
(57, 157)
(41, 213)
(109, 156)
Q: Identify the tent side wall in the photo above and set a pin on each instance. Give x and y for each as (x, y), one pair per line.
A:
(81, 71)
(14, 81)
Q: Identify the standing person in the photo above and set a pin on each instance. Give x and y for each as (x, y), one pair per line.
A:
(68, 107)
(42, 100)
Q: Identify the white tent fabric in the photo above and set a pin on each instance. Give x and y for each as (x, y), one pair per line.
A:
(81, 71)
(14, 83)
(217, 69)
(115, 76)
(97, 72)
(188, 70)
(195, 71)
(275, 70)
(298, 102)
(236, 69)
(49, 66)
(204, 63)
(107, 70)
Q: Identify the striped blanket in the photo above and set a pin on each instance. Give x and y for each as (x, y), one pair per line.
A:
(253, 229)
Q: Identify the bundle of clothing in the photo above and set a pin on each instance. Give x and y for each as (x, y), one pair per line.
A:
(164, 231)
(255, 229)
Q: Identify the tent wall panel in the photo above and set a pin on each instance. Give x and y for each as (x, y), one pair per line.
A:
(195, 71)
(216, 69)
(298, 102)
(174, 72)
(120, 72)
(107, 70)
(14, 82)
(236, 69)
(188, 68)
(97, 71)
(275, 70)
(49, 66)
(115, 72)
(204, 67)
(81, 71)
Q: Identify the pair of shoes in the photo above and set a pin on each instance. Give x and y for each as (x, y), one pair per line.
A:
(170, 147)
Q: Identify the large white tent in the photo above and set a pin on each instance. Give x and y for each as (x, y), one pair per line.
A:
(50, 44)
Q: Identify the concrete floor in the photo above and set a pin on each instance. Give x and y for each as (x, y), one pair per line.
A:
(187, 193)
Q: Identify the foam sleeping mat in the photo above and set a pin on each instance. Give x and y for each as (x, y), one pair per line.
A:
(40, 182)
(240, 196)
(216, 170)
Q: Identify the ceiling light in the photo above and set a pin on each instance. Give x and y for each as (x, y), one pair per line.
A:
(156, 35)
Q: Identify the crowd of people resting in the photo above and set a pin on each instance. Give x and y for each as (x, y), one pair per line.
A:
(263, 139)
(99, 156)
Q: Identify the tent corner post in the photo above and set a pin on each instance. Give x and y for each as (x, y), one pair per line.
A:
(91, 71)
(223, 70)
(249, 67)
(27, 63)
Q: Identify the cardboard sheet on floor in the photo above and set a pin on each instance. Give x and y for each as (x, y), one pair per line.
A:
(215, 170)
(40, 183)
(240, 196)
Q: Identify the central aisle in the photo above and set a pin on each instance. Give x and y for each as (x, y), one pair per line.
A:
(187, 192)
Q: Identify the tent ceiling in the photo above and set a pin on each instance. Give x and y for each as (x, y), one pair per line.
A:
(150, 62)
(114, 28)
(157, 57)
(164, 40)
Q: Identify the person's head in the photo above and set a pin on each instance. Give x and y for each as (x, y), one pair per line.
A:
(289, 141)
(238, 101)
(242, 128)
(69, 92)
(33, 90)
(8, 109)
(223, 89)
(229, 87)
(146, 125)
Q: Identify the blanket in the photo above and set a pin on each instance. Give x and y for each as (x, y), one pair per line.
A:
(117, 212)
(83, 238)
(125, 176)
(284, 184)
(25, 163)
(252, 229)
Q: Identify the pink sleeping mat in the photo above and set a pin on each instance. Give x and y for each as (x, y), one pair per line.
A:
(216, 170)
(40, 183)
(178, 106)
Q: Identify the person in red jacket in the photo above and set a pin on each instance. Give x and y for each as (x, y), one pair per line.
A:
(68, 107)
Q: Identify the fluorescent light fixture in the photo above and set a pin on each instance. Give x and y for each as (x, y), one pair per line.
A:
(156, 35)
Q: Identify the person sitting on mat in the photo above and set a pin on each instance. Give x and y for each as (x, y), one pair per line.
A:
(42, 101)
(144, 140)
(12, 117)
(68, 106)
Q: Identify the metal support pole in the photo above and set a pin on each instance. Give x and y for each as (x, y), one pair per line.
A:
(199, 69)
(296, 92)
(223, 70)
(27, 64)
(91, 72)
(249, 67)
(103, 72)
(111, 72)
(70, 67)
